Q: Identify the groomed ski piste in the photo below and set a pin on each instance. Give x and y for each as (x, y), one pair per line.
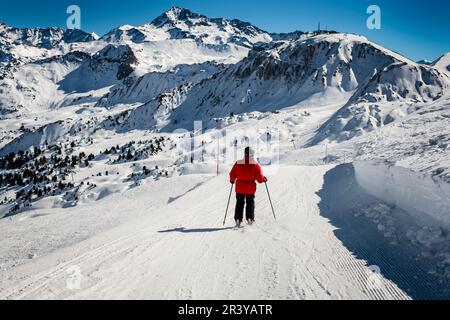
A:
(180, 250)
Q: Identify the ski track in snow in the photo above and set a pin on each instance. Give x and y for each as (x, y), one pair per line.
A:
(182, 252)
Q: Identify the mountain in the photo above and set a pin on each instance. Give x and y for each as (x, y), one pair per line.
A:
(44, 38)
(145, 88)
(31, 87)
(331, 67)
(425, 62)
(35, 58)
(392, 93)
(153, 115)
(443, 63)
(178, 23)
(177, 37)
(105, 68)
(230, 67)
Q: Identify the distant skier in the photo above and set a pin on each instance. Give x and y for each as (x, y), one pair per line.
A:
(244, 173)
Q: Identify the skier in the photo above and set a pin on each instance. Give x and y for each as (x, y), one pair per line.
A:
(244, 173)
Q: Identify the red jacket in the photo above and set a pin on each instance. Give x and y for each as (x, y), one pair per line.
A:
(245, 173)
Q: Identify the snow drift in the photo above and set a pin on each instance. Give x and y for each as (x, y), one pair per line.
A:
(427, 199)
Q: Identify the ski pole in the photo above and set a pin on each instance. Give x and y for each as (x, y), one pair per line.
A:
(268, 193)
(229, 199)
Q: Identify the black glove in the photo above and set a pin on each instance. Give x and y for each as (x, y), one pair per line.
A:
(265, 179)
(232, 182)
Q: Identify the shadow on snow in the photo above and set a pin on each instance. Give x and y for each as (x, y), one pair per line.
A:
(342, 201)
(184, 230)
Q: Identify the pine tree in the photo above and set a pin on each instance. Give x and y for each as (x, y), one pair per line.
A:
(129, 155)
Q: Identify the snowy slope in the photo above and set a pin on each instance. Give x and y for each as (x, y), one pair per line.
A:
(42, 38)
(106, 68)
(152, 115)
(145, 88)
(50, 134)
(180, 250)
(443, 63)
(178, 37)
(419, 141)
(285, 260)
(35, 87)
(38, 58)
(283, 74)
(179, 219)
(392, 93)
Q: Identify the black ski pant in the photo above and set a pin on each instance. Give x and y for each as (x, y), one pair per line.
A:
(242, 199)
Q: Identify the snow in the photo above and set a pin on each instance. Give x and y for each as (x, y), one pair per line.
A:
(360, 177)
(443, 63)
(336, 66)
(129, 240)
(415, 193)
(164, 55)
(419, 141)
(179, 23)
(144, 89)
(53, 229)
(389, 96)
(145, 258)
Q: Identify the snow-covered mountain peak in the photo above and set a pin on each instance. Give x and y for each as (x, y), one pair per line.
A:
(338, 60)
(349, 40)
(443, 63)
(175, 15)
(179, 24)
(43, 38)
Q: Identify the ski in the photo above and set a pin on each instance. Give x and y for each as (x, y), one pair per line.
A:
(242, 226)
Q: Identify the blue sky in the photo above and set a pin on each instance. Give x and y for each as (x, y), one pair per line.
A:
(417, 29)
